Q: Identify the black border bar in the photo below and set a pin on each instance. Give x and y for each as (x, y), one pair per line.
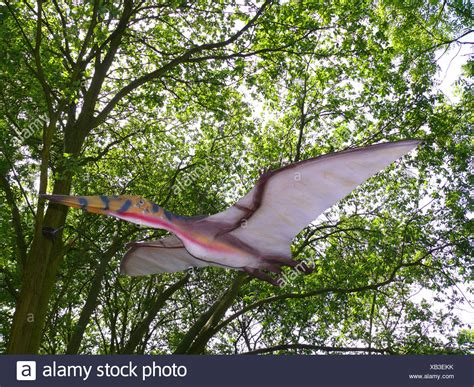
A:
(171, 370)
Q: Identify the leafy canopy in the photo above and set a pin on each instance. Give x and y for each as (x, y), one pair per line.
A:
(184, 102)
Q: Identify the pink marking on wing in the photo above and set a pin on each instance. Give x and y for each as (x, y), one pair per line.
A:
(208, 244)
(219, 247)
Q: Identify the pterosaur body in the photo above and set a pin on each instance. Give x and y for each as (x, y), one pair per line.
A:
(256, 232)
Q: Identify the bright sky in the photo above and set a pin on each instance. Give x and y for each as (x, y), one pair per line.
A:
(450, 63)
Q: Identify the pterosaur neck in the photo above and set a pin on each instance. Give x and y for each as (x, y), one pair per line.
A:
(171, 222)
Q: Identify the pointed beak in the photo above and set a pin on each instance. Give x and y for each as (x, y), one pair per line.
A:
(95, 204)
(134, 209)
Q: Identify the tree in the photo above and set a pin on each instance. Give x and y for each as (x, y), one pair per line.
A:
(158, 99)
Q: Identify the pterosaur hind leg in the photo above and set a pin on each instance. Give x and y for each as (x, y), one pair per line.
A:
(273, 264)
(284, 261)
(280, 260)
(261, 275)
(272, 267)
(304, 267)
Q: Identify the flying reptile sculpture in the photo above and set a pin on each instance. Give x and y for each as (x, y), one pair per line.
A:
(254, 234)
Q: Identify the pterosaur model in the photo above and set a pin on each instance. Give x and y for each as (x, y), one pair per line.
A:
(254, 234)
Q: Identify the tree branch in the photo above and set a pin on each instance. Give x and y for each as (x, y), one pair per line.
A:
(91, 301)
(144, 325)
(325, 290)
(204, 320)
(16, 219)
(284, 347)
(224, 303)
(39, 67)
(447, 42)
(90, 99)
(185, 57)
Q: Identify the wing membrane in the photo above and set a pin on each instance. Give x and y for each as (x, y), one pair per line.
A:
(166, 255)
(292, 197)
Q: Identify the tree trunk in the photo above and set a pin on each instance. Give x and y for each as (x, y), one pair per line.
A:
(40, 269)
(141, 329)
(91, 302)
(200, 333)
(37, 284)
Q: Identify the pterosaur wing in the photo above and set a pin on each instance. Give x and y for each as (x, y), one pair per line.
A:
(286, 200)
(166, 255)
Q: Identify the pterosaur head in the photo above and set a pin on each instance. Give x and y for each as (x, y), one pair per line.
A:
(132, 208)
